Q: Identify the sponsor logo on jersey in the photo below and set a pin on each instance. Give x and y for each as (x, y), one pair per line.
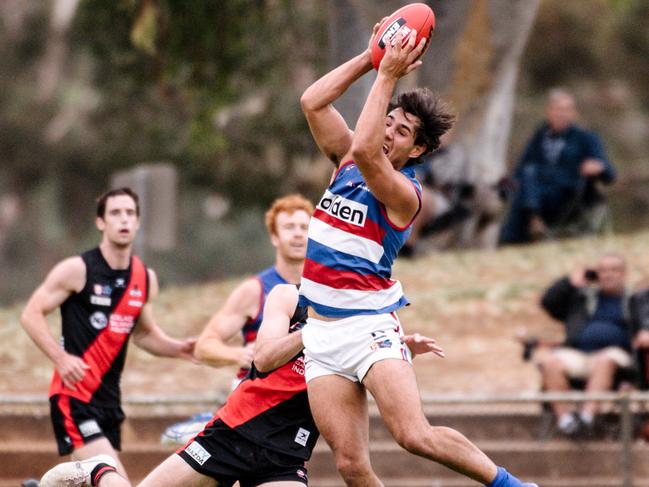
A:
(298, 365)
(102, 289)
(89, 428)
(198, 453)
(135, 303)
(121, 323)
(120, 282)
(343, 209)
(100, 300)
(135, 292)
(98, 320)
(302, 436)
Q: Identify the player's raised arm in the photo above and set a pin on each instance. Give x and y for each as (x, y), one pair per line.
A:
(275, 345)
(382, 142)
(327, 125)
(65, 278)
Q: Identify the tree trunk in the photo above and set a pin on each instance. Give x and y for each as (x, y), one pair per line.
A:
(53, 63)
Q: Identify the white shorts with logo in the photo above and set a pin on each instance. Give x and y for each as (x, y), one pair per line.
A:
(350, 346)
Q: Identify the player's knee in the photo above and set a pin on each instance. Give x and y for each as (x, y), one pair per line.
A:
(414, 440)
(351, 466)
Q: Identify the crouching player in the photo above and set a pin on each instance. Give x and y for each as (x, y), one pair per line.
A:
(264, 433)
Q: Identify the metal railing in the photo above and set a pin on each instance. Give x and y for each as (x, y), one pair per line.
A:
(623, 400)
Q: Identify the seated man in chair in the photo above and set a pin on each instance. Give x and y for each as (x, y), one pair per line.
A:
(557, 175)
(603, 325)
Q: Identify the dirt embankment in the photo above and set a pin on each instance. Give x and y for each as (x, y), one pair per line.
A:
(473, 303)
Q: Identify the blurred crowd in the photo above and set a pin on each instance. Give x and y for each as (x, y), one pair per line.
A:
(556, 189)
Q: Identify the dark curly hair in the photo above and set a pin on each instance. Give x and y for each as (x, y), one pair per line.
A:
(433, 114)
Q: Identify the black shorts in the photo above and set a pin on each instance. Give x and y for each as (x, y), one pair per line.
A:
(76, 423)
(223, 454)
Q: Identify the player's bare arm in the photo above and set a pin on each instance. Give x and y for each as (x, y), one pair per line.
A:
(150, 337)
(212, 347)
(66, 278)
(275, 345)
(329, 129)
(378, 135)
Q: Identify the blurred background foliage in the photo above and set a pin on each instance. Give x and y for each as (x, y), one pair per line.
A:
(213, 87)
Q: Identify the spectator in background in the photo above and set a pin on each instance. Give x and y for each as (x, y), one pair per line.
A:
(558, 170)
(601, 319)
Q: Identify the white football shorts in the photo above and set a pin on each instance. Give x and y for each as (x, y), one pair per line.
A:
(348, 347)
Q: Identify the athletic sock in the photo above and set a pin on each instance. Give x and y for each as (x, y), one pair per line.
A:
(586, 417)
(567, 423)
(505, 479)
(99, 471)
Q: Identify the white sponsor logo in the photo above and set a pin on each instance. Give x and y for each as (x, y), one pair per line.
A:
(135, 304)
(197, 452)
(100, 300)
(302, 436)
(135, 292)
(98, 320)
(392, 30)
(121, 323)
(298, 366)
(344, 209)
(89, 428)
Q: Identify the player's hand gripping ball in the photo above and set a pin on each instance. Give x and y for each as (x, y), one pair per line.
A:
(416, 16)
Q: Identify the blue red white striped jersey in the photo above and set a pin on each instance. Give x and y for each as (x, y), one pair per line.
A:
(351, 248)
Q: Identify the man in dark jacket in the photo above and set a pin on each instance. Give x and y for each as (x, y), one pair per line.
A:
(560, 165)
(604, 324)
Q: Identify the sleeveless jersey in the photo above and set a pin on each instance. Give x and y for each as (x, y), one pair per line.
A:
(97, 323)
(351, 248)
(268, 279)
(272, 409)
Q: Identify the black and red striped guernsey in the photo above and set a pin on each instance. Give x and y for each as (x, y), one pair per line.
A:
(96, 325)
(272, 409)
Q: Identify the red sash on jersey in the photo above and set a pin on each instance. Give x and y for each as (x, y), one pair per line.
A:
(108, 343)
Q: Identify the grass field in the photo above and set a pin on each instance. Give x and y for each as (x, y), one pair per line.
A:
(472, 302)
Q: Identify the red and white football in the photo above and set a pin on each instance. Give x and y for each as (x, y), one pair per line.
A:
(418, 16)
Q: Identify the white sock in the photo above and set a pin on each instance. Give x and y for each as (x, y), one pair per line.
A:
(586, 417)
(565, 421)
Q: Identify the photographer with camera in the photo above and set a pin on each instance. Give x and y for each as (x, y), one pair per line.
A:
(603, 325)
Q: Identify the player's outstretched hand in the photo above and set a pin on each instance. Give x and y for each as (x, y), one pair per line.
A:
(419, 344)
(402, 55)
(72, 369)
